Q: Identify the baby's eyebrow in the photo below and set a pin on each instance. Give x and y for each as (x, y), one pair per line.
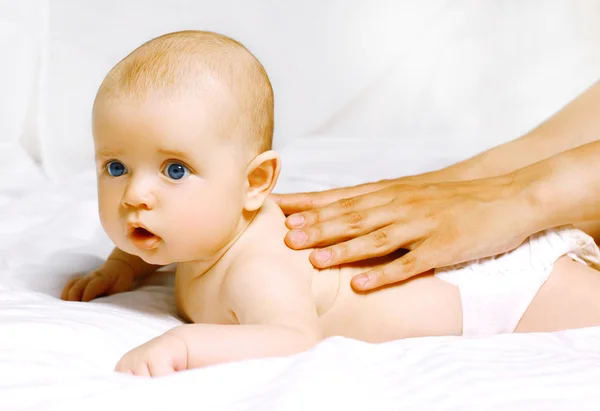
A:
(174, 153)
(108, 153)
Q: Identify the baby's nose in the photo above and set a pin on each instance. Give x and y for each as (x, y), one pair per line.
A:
(138, 195)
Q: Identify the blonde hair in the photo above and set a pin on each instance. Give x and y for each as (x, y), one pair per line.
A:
(178, 62)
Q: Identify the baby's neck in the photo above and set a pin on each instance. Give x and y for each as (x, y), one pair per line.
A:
(222, 256)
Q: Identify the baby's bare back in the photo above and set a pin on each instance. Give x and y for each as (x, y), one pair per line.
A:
(423, 306)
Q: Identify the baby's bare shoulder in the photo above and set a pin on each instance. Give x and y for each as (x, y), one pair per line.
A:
(256, 266)
(263, 288)
(266, 271)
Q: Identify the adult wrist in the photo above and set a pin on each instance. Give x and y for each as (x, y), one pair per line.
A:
(532, 201)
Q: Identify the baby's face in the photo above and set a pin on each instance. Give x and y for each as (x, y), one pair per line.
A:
(170, 189)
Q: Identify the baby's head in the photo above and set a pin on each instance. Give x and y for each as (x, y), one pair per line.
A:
(182, 131)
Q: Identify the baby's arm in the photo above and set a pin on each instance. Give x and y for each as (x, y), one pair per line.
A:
(116, 275)
(274, 306)
(277, 315)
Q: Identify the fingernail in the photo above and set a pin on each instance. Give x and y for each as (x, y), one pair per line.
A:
(323, 256)
(298, 237)
(296, 220)
(361, 280)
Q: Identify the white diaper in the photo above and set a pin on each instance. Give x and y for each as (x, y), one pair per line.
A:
(496, 291)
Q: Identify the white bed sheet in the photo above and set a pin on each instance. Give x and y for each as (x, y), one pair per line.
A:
(59, 356)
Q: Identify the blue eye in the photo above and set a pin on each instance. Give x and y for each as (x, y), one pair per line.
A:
(116, 168)
(176, 171)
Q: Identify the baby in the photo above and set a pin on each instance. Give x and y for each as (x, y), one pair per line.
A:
(182, 131)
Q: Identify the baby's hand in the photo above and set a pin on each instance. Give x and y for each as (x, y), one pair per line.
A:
(158, 357)
(112, 278)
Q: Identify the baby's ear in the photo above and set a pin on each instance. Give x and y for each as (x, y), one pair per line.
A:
(262, 174)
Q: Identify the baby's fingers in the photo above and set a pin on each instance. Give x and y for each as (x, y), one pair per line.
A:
(160, 368)
(75, 291)
(141, 370)
(122, 284)
(65, 292)
(94, 288)
(133, 366)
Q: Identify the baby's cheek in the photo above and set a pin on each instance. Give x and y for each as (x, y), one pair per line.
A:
(109, 218)
(204, 218)
(209, 225)
(108, 203)
(109, 225)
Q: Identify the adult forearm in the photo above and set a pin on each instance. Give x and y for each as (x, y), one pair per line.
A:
(576, 124)
(564, 189)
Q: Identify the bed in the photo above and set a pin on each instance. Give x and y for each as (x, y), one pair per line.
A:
(60, 356)
(56, 355)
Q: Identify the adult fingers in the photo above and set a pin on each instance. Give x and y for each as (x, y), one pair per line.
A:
(374, 244)
(343, 228)
(343, 206)
(299, 202)
(409, 265)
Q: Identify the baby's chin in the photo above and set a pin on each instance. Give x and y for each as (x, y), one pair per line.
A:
(160, 257)
(156, 260)
(154, 256)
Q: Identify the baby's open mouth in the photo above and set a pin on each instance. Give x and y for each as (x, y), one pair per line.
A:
(144, 239)
(142, 232)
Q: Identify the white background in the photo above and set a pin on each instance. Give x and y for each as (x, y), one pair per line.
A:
(364, 90)
(444, 79)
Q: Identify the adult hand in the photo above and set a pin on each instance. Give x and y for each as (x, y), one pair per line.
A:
(298, 202)
(441, 224)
